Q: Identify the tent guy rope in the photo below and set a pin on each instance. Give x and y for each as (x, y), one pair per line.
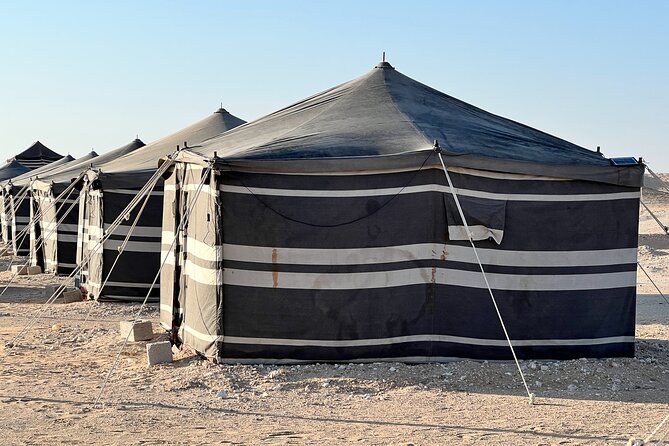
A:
(182, 224)
(118, 256)
(530, 395)
(110, 230)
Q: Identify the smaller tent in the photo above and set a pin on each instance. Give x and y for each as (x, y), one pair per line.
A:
(36, 156)
(43, 236)
(112, 186)
(12, 169)
(18, 208)
(59, 250)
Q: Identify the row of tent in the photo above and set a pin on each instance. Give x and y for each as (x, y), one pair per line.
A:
(333, 230)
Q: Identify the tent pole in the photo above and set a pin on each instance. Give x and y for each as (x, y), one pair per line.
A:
(485, 278)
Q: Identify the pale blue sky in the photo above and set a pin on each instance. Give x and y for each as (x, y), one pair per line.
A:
(86, 74)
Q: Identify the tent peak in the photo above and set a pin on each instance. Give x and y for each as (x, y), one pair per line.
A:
(384, 65)
(221, 110)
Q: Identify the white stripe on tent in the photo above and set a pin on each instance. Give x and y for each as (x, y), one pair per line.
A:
(132, 192)
(195, 247)
(417, 276)
(125, 284)
(404, 339)
(426, 251)
(425, 188)
(191, 187)
(501, 176)
(69, 227)
(132, 246)
(120, 297)
(202, 274)
(71, 238)
(22, 219)
(426, 338)
(169, 309)
(138, 231)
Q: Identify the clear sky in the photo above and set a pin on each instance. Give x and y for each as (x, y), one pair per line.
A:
(82, 75)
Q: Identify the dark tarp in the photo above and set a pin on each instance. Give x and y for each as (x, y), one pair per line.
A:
(36, 156)
(386, 113)
(12, 169)
(27, 177)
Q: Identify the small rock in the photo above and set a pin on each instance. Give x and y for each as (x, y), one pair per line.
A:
(392, 369)
(56, 328)
(544, 368)
(572, 388)
(222, 394)
(538, 383)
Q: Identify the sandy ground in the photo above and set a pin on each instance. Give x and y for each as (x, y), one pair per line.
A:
(51, 379)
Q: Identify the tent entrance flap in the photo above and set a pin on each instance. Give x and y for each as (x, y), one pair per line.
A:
(485, 218)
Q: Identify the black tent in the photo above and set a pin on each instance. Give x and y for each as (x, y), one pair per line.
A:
(59, 250)
(328, 231)
(36, 156)
(12, 169)
(109, 189)
(18, 209)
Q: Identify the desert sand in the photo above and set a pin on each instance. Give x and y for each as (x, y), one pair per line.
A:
(50, 380)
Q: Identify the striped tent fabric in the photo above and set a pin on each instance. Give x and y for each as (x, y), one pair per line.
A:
(22, 210)
(327, 231)
(60, 249)
(10, 170)
(111, 186)
(132, 275)
(47, 232)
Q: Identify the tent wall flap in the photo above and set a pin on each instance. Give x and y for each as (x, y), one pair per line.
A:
(394, 286)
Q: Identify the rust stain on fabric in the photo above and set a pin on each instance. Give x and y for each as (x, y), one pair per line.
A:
(275, 268)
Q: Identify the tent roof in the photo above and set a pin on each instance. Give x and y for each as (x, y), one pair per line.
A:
(384, 114)
(37, 152)
(146, 158)
(26, 177)
(70, 171)
(11, 169)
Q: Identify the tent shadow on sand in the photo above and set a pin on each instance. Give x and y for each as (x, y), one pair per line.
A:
(141, 405)
(655, 243)
(22, 295)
